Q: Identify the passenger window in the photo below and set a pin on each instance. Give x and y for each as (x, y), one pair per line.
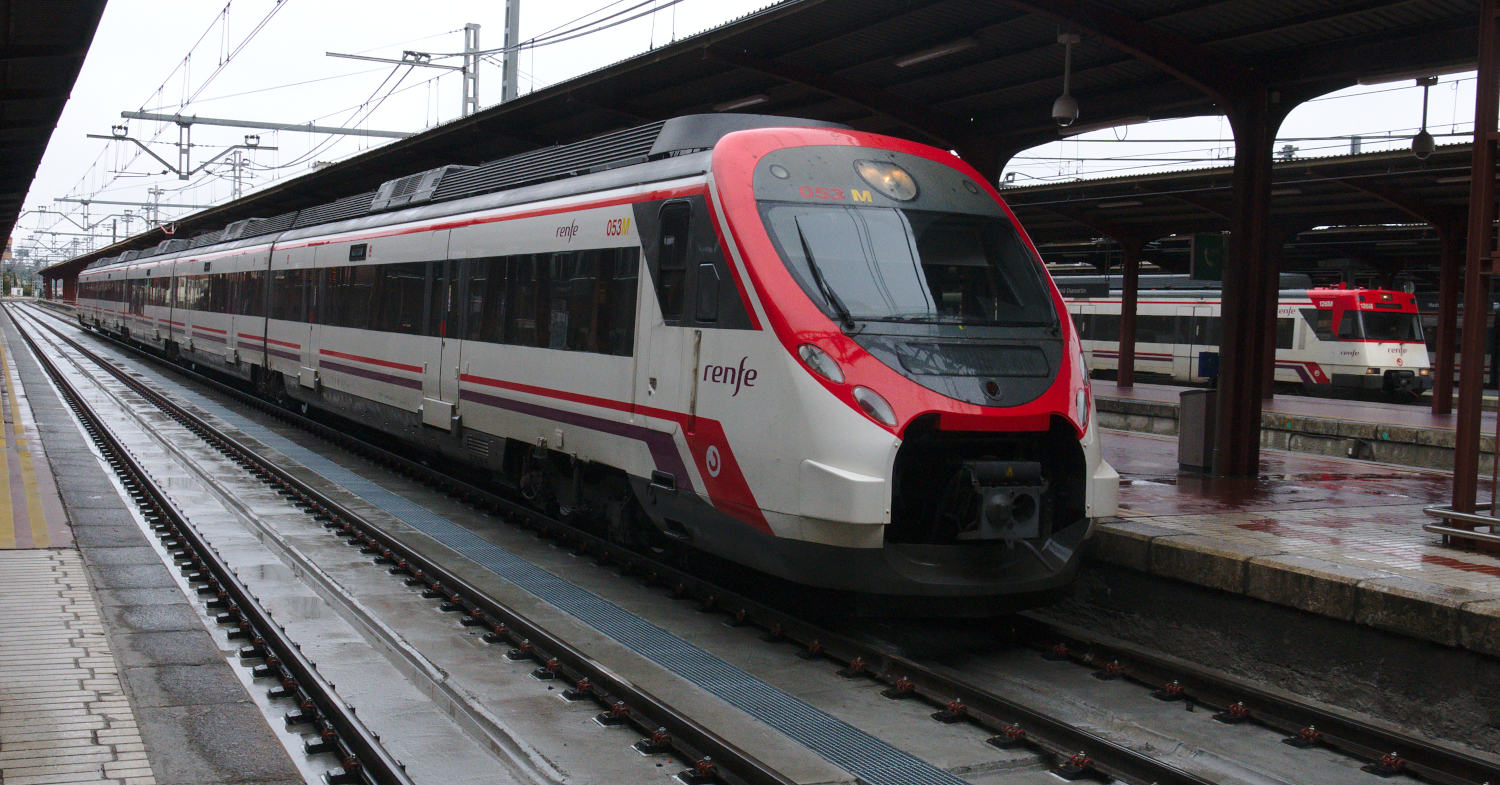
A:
(672, 258)
(708, 293)
(1349, 326)
(1284, 333)
(1320, 321)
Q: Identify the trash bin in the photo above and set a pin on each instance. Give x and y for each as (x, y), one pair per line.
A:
(1196, 420)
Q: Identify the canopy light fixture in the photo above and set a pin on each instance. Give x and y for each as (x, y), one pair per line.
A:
(741, 103)
(1121, 203)
(934, 52)
(1065, 108)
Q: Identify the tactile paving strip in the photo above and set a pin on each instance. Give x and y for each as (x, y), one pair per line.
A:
(871, 760)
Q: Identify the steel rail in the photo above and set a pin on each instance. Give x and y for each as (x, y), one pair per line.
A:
(623, 701)
(1409, 754)
(363, 757)
(1010, 722)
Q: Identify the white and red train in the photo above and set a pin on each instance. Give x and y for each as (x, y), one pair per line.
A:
(830, 355)
(1327, 338)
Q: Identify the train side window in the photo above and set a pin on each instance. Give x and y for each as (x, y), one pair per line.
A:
(1321, 322)
(528, 295)
(1154, 329)
(1213, 331)
(1284, 329)
(708, 293)
(286, 295)
(671, 257)
(1107, 327)
(487, 311)
(399, 292)
(619, 302)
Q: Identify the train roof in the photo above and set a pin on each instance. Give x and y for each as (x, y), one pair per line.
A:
(1176, 284)
(653, 142)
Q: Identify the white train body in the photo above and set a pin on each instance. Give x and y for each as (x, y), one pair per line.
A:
(639, 361)
(1353, 339)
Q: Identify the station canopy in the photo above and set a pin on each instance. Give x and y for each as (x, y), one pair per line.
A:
(42, 45)
(975, 76)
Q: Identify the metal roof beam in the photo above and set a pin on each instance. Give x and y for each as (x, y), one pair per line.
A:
(916, 115)
(1414, 206)
(1221, 78)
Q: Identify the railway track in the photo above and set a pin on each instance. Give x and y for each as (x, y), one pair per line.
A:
(336, 728)
(1074, 752)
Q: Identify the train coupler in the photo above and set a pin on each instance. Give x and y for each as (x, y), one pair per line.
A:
(1389, 765)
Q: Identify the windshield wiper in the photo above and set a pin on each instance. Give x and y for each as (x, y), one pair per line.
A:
(845, 318)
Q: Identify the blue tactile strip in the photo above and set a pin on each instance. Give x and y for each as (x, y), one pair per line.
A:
(868, 758)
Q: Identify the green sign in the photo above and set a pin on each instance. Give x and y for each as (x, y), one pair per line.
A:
(1208, 256)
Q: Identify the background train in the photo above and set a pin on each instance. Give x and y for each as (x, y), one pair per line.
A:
(1368, 340)
(829, 355)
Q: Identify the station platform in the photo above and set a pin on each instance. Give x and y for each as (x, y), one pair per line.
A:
(107, 674)
(1408, 434)
(1332, 536)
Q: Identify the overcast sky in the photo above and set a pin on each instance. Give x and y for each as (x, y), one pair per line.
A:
(139, 61)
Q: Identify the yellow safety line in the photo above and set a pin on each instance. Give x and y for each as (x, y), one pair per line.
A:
(7, 514)
(40, 537)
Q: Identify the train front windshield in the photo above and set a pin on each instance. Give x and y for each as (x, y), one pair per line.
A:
(1385, 326)
(907, 265)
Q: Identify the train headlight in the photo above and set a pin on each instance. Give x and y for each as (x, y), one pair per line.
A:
(1425, 372)
(889, 179)
(1081, 406)
(820, 363)
(875, 406)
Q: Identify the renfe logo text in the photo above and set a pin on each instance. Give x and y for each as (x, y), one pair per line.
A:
(729, 374)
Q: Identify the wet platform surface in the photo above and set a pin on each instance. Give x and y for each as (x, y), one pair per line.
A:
(1332, 536)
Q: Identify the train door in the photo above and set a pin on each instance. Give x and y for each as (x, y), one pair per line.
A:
(312, 281)
(440, 372)
(1194, 357)
(666, 378)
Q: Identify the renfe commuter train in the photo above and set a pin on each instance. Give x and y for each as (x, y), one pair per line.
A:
(830, 355)
(1326, 338)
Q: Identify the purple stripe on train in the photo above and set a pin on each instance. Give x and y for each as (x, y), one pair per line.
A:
(663, 448)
